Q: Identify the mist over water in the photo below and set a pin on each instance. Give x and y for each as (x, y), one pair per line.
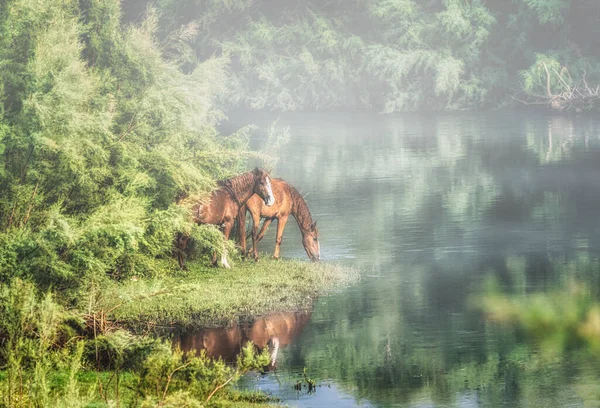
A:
(429, 206)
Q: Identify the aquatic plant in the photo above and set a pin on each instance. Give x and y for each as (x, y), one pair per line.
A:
(306, 382)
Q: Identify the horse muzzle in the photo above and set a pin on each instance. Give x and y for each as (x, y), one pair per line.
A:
(270, 201)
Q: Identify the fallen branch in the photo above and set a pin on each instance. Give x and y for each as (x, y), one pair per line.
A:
(577, 97)
(218, 388)
(548, 91)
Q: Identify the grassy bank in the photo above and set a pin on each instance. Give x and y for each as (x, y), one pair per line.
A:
(54, 356)
(206, 296)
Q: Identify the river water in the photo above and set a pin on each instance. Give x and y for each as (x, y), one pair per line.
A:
(430, 207)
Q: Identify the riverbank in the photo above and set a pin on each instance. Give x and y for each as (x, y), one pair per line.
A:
(103, 356)
(211, 297)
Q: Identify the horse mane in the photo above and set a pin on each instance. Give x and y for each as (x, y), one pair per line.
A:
(238, 184)
(300, 209)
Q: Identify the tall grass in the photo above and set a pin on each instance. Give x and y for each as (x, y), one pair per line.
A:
(48, 360)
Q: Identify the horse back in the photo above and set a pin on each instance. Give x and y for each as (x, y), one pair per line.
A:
(220, 209)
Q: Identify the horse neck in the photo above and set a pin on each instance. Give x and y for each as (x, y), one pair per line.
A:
(243, 187)
(300, 211)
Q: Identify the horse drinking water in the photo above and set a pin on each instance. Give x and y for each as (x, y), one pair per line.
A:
(225, 203)
(288, 201)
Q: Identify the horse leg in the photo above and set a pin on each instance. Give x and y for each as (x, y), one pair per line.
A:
(280, 226)
(213, 259)
(255, 222)
(242, 229)
(182, 244)
(226, 232)
(263, 230)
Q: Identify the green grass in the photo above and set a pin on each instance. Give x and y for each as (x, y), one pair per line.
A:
(90, 396)
(209, 297)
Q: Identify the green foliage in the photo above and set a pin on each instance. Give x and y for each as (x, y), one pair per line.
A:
(165, 370)
(450, 54)
(562, 81)
(101, 132)
(45, 363)
(549, 11)
(541, 77)
(555, 322)
(30, 329)
(280, 75)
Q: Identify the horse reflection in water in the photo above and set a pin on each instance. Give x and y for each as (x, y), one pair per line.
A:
(270, 332)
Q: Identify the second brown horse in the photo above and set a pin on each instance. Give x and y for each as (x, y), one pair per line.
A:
(225, 203)
(288, 201)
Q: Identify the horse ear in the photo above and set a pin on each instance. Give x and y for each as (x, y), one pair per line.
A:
(256, 171)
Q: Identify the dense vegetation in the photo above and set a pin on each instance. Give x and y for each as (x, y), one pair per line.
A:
(45, 355)
(391, 55)
(101, 132)
(100, 135)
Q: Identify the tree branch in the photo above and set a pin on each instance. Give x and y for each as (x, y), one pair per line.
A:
(169, 378)
(218, 388)
(548, 91)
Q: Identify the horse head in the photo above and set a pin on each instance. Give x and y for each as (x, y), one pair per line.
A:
(262, 186)
(310, 240)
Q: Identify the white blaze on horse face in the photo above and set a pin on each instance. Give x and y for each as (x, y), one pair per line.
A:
(271, 198)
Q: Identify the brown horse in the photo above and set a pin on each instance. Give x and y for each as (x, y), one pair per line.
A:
(289, 201)
(225, 204)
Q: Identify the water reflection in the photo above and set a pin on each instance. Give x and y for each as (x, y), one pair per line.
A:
(272, 332)
(431, 207)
